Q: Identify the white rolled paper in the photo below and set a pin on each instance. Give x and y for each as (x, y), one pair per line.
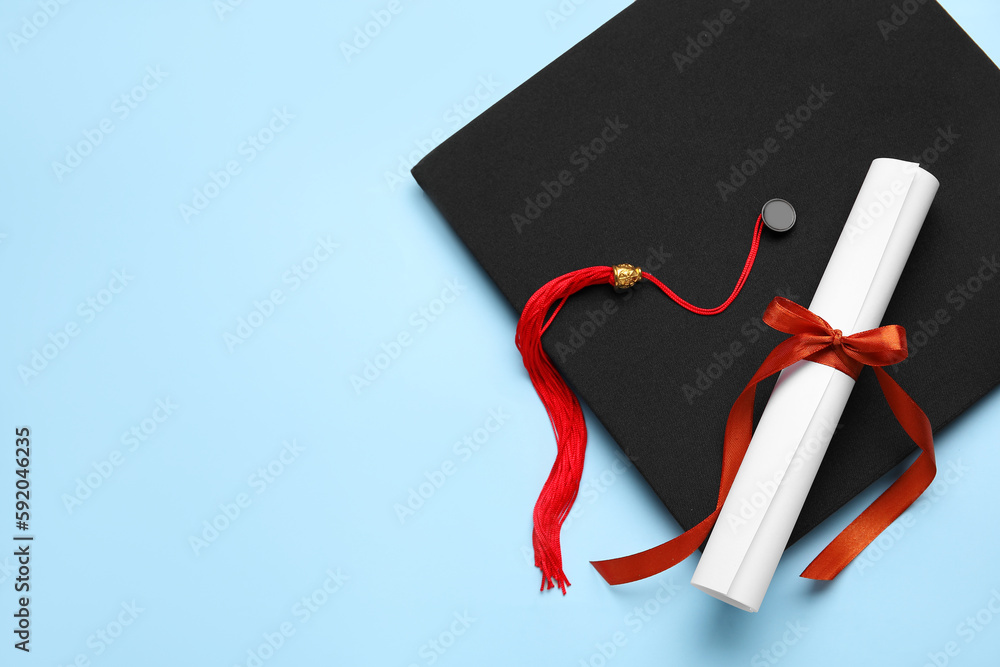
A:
(808, 399)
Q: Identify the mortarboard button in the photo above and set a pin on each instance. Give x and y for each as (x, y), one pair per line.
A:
(778, 215)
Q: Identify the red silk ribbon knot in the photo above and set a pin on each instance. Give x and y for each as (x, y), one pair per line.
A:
(812, 339)
(815, 340)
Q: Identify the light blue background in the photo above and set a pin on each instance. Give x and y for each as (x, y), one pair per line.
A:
(332, 507)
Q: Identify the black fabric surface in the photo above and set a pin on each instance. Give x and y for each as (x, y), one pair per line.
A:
(918, 90)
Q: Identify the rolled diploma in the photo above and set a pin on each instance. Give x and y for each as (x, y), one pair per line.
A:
(808, 399)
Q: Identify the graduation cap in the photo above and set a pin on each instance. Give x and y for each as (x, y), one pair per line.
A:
(656, 140)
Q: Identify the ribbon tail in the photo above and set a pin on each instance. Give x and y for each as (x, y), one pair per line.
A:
(739, 430)
(894, 500)
(653, 561)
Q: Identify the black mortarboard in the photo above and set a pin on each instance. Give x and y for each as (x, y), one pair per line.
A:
(656, 140)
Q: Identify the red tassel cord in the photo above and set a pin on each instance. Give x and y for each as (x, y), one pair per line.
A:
(563, 483)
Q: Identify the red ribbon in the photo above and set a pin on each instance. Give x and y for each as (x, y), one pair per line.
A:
(813, 339)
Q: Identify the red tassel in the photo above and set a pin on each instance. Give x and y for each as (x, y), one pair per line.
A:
(566, 416)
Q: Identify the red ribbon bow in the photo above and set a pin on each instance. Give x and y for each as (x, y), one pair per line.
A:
(813, 339)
